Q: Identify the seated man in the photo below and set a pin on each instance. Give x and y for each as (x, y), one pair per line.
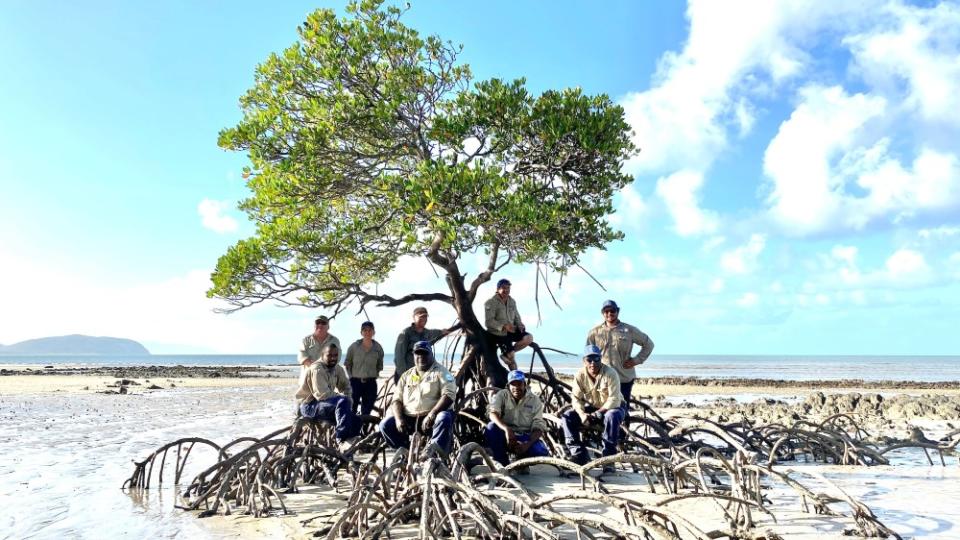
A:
(503, 322)
(325, 395)
(421, 401)
(596, 399)
(516, 421)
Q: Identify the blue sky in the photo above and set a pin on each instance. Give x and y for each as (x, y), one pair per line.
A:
(798, 189)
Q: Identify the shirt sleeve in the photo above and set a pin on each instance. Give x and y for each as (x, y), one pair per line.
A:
(490, 316)
(496, 404)
(645, 343)
(591, 337)
(400, 349)
(577, 396)
(517, 320)
(348, 362)
(538, 422)
(379, 358)
(398, 389)
(302, 352)
(613, 392)
(343, 384)
(449, 388)
(317, 383)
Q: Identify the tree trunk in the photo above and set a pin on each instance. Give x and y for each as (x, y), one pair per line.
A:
(477, 336)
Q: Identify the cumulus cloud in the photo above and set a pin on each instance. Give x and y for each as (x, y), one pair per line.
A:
(680, 194)
(748, 300)
(743, 259)
(213, 217)
(906, 264)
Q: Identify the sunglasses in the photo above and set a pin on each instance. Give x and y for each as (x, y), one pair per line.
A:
(592, 359)
(321, 323)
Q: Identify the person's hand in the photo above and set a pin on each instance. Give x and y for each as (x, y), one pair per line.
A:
(521, 448)
(401, 423)
(428, 420)
(307, 363)
(509, 328)
(511, 436)
(584, 417)
(522, 328)
(597, 416)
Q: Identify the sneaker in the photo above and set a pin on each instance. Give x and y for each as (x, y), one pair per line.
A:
(608, 469)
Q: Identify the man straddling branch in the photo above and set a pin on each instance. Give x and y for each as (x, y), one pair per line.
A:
(503, 322)
(325, 395)
(421, 402)
(596, 400)
(616, 340)
(516, 421)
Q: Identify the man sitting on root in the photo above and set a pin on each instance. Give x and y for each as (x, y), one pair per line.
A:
(325, 395)
(596, 399)
(516, 421)
(421, 401)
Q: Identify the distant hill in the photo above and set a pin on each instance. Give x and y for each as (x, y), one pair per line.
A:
(75, 344)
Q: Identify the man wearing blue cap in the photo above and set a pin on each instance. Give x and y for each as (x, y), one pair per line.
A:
(503, 322)
(616, 340)
(421, 401)
(516, 421)
(596, 399)
(364, 362)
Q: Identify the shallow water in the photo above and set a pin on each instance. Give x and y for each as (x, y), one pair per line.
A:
(65, 458)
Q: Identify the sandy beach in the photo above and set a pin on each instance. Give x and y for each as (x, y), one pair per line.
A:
(68, 447)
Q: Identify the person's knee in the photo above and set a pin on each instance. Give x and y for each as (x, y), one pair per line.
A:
(614, 416)
(445, 419)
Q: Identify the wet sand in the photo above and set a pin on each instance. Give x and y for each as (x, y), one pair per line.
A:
(67, 450)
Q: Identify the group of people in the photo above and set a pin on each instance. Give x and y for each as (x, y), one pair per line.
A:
(425, 389)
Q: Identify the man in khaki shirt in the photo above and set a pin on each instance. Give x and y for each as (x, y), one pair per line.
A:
(516, 421)
(312, 346)
(596, 399)
(616, 340)
(364, 362)
(503, 321)
(325, 395)
(421, 401)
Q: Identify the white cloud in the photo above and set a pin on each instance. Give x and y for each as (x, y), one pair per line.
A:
(906, 264)
(938, 232)
(748, 300)
(212, 216)
(716, 286)
(680, 194)
(828, 171)
(743, 260)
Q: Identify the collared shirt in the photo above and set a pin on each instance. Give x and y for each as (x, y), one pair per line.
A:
(615, 346)
(419, 393)
(403, 351)
(498, 313)
(362, 363)
(311, 349)
(323, 383)
(602, 392)
(523, 416)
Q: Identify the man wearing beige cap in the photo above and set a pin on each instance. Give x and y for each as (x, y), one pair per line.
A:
(415, 333)
(313, 345)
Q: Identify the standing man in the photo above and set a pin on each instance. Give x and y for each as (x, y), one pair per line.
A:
(325, 395)
(503, 321)
(364, 363)
(596, 399)
(516, 421)
(421, 401)
(616, 340)
(411, 335)
(313, 345)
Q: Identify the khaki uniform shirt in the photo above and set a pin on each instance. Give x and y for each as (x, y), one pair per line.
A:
(497, 314)
(615, 346)
(323, 383)
(602, 393)
(403, 351)
(364, 364)
(420, 393)
(524, 416)
(310, 349)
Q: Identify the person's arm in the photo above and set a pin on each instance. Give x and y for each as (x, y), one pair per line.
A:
(517, 321)
(646, 346)
(612, 384)
(448, 393)
(318, 383)
(400, 351)
(495, 412)
(490, 317)
(343, 383)
(348, 362)
(302, 357)
(578, 400)
(379, 359)
(537, 427)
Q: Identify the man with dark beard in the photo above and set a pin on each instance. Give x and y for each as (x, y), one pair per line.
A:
(516, 421)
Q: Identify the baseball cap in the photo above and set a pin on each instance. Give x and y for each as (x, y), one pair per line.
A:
(516, 375)
(610, 304)
(503, 282)
(423, 346)
(366, 324)
(321, 318)
(419, 309)
(591, 350)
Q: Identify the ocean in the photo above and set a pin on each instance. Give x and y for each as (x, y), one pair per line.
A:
(782, 367)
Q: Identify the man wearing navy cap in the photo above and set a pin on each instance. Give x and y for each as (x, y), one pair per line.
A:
(363, 363)
(596, 399)
(616, 340)
(503, 322)
(516, 421)
(421, 402)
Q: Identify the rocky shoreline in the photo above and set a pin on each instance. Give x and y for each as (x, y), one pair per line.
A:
(819, 383)
(147, 372)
